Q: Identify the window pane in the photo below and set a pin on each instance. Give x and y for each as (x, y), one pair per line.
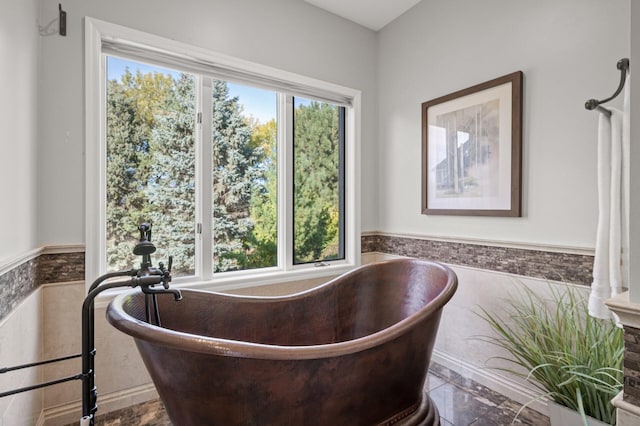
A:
(150, 163)
(318, 188)
(244, 177)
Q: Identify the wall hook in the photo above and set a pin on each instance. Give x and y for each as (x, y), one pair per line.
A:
(62, 19)
(50, 28)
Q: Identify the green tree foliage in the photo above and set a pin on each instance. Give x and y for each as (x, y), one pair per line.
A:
(151, 176)
(132, 104)
(264, 201)
(172, 181)
(316, 182)
(235, 174)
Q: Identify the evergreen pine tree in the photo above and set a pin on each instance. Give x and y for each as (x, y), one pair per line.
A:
(235, 174)
(171, 194)
(130, 106)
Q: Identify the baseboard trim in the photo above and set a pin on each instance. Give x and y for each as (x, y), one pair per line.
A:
(71, 412)
(501, 384)
(62, 284)
(63, 248)
(40, 421)
(619, 402)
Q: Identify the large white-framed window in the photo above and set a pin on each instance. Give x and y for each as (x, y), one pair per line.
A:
(178, 136)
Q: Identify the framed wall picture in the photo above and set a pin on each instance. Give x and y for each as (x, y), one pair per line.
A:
(472, 150)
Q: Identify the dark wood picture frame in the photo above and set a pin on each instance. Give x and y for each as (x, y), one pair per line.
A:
(493, 153)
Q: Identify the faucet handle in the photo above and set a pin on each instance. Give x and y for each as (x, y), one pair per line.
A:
(166, 273)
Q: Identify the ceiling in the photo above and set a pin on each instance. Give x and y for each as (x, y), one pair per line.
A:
(373, 14)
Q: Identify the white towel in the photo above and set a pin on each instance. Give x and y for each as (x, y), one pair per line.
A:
(611, 262)
(625, 185)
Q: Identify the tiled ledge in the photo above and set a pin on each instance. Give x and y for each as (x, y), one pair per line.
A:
(628, 414)
(627, 311)
(552, 265)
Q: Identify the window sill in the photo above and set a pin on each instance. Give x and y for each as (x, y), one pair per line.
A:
(229, 281)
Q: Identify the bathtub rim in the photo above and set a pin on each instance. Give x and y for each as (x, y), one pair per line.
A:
(144, 331)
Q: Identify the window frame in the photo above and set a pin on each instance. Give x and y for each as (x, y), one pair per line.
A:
(341, 185)
(96, 32)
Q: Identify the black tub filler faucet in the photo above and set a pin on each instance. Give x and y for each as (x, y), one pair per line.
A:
(147, 278)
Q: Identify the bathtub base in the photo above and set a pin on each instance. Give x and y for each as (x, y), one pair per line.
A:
(425, 415)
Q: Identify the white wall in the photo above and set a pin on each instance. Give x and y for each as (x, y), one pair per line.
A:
(287, 34)
(20, 331)
(634, 242)
(567, 50)
(19, 49)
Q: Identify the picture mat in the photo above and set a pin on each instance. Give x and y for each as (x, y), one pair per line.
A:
(502, 199)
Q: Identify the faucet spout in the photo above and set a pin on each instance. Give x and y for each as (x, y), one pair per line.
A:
(149, 289)
(177, 294)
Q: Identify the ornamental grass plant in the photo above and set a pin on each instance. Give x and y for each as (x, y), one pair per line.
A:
(572, 358)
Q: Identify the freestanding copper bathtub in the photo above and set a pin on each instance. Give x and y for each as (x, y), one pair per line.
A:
(354, 351)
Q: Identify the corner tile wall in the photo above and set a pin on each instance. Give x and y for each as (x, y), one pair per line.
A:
(16, 285)
(60, 267)
(20, 281)
(23, 322)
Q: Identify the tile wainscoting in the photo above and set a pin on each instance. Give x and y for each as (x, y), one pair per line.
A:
(553, 265)
(46, 267)
(16, 284)
(42, 267)
(25, 328)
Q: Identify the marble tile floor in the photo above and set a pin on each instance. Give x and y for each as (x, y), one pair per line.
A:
(461, 402)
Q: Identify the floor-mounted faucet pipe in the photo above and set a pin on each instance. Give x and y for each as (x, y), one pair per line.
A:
(109, 275)
(89, 395)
